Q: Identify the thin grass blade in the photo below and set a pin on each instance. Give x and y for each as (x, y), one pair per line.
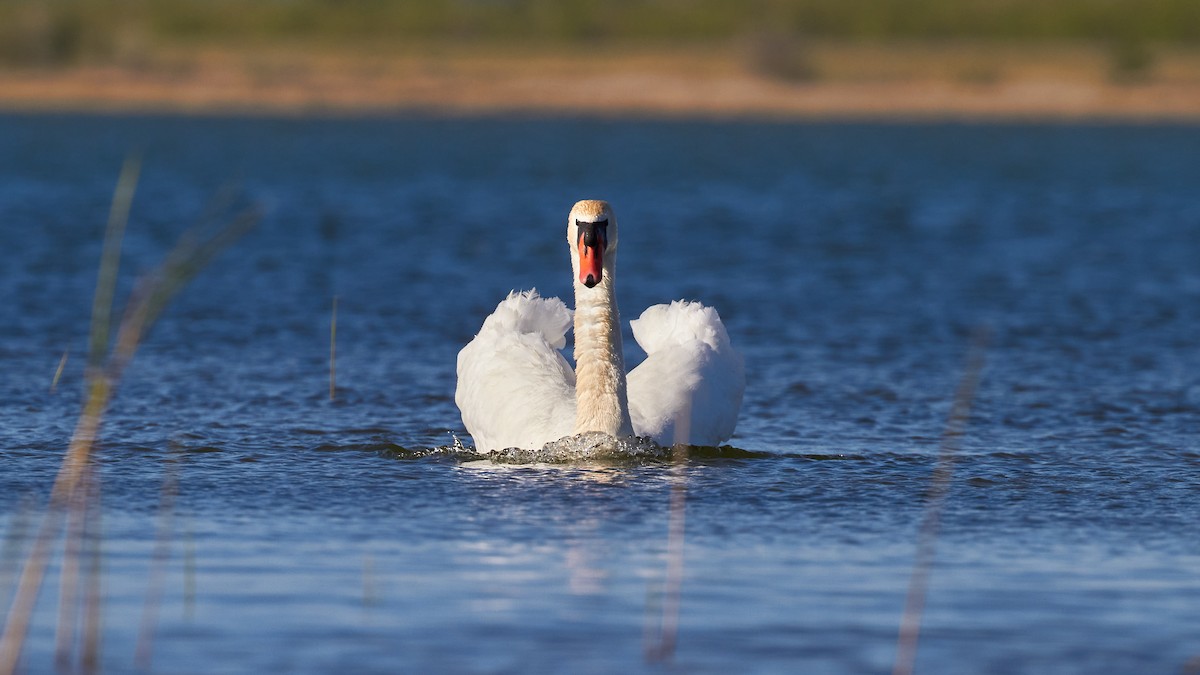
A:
(956, 424)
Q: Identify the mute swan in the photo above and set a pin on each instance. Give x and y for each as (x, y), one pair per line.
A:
(515, 389)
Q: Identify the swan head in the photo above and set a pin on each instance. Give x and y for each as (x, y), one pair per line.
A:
(592, 236)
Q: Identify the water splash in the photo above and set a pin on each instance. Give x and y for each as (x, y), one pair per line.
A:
(587, 447)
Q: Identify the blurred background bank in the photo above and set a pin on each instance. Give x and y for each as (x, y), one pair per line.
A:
(787, 58)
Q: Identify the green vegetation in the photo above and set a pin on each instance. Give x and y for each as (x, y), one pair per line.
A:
(63, 31)
(776, 37)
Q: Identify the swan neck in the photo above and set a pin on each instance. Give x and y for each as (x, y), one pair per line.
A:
(601, 400)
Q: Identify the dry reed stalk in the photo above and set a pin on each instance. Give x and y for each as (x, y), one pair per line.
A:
(333, 351)
(935, 497)
(89, 661)
(661, 646)
(189, 572)
(62, 363)
(162, 551)
(110, 260)
(69, 476)
(81, 542)
(19, 525)
(105, 366)
(68, 595)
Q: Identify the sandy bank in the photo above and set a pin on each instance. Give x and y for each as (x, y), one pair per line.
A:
(919, 83)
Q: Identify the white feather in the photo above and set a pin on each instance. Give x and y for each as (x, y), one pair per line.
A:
(689, 388)
(515, 389)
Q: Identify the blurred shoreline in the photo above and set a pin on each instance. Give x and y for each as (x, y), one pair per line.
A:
(828, 81)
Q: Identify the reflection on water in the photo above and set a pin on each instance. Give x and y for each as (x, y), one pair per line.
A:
(849, 262)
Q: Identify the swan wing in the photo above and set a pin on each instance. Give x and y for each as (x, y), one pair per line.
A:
(515, 389)
(689, 388)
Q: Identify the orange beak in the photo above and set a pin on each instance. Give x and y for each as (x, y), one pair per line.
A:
(592, 241)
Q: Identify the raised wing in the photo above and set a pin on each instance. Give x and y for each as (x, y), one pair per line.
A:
(689, 388)
(515, 389)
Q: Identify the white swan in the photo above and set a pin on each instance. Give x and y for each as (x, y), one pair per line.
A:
(515, 389)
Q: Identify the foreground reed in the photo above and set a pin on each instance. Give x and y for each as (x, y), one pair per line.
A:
(659, 642)
(935, 497)
(74, 496)
(333, 351)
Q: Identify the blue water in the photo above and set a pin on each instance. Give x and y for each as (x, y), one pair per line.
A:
(851, 264)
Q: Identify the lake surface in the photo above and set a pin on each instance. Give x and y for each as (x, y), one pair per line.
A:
(851, 264)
